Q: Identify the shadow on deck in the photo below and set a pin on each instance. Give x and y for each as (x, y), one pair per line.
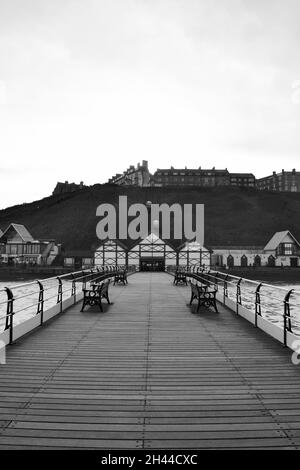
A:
(148, 373)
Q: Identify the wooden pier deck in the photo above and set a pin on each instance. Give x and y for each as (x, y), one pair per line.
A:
(148, 373)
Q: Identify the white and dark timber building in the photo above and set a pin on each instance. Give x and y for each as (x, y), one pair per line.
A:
(154, 254)
(151, 254)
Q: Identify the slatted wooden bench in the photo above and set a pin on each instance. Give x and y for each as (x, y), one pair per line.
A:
(205, 295)
(121, 277)
(95, 295)
(180, 277)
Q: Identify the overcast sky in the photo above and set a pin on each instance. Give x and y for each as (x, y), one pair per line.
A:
(88, 87)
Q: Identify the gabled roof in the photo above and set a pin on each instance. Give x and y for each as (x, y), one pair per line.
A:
(277, 238)
(21, 230)
(151, 239)
(112, 240)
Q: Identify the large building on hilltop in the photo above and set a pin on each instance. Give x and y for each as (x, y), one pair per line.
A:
(243, 180)
(67, 187)
(133, 176)
(190, 177)
(140, 176)
(201, 177)
(284, 181)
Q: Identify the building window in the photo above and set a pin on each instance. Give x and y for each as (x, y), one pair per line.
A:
(288, 248)
(271, 261)
(257, 260)
(230, 261)
(244, 261)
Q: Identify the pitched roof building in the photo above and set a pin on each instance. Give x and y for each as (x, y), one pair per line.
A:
(17, 245)
(281, 250)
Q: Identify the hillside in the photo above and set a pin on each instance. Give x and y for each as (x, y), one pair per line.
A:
(233, 216)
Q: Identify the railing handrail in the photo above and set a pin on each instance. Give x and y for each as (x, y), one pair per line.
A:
(252, 281)
(61, 289)
(50, 278)
(212, 276)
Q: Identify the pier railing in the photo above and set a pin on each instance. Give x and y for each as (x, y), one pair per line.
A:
(272, 308)
(24, 307)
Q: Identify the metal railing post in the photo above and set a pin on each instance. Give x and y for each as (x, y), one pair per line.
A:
(216, 281)
(225, 288)
(83, 280)
(40, 306)
(73, 291)
(287, 325)
(257, 303)
(59, 293)
(9, 322)
(238, 295)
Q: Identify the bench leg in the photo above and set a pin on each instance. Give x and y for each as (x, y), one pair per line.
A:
(83, 305)
(192, 298)
(100, 306)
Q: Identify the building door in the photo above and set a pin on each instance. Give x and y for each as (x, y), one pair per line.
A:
(152, 264)
(294, 262)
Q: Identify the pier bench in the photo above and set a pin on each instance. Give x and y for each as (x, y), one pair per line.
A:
(121, 277)
(205, 295)
(95, 294)
(180, 277)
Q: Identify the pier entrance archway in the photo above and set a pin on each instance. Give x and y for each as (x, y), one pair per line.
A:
(152, 254)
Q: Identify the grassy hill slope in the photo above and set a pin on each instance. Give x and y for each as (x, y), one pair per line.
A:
(233, 216)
